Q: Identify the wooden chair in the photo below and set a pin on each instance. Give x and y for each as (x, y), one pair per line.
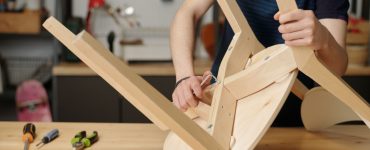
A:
(253, 83)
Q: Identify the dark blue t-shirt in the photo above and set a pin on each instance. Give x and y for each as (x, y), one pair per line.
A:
(259, 14)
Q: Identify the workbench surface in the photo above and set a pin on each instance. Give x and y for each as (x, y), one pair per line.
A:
(147, 136)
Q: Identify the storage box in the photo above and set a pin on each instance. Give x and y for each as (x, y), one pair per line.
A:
(357, 54)
(358, 33)
(27, 22)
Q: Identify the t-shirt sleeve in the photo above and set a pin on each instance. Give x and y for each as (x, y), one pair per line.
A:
(337, 9)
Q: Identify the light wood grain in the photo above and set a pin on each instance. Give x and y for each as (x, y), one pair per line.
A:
(262, 73)
(243, 44)
(328, 111)
(111, 135)
(311, 66)
(258, 110)
(141, 94)
(334, 138)
(123, 136)
(67, 38)
(255, 113)
(134, 88)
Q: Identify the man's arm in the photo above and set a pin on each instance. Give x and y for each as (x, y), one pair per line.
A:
(182, 39)
(325, 36)
(335, 55)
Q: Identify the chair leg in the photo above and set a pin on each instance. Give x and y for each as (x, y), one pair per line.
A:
(320, 110)
(312, 67)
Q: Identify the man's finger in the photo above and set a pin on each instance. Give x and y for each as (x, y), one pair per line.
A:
(189, 98)
(207, 73)
(195, 87)
(277, 16)
(292, 27)
(175, 100)
(177, 103)
(299, 42)
(291, 16)
(296, 35)
(182, 101)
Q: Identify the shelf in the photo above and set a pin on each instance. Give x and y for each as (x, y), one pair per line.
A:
(146, 69)
(27, 22)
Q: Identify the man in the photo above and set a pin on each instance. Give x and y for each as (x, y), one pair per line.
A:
(319, 24)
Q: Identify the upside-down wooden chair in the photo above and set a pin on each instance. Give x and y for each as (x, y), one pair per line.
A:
(253, 84)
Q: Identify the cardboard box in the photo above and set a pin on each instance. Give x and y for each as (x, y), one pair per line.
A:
(357, 54)
(27, 22)
(358, 33)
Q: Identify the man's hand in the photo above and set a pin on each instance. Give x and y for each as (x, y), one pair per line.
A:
(301, 28)
(326, 36)
(189, 92)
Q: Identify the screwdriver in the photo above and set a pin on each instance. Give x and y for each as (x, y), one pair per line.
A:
(29, 131)
(49, 137)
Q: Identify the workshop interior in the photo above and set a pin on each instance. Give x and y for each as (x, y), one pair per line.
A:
(99, 74)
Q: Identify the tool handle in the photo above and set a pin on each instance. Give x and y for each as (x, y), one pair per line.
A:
(94, 137)
(50, 136)
(29, 132)
(91, 139)
(29, 128)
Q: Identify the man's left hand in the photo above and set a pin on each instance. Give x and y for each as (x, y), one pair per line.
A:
(302, 28)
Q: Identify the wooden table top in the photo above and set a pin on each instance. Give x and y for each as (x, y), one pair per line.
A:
(149, 137)
(167, 69)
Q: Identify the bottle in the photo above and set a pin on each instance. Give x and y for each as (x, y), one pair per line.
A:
(92, 4)
(2, 5)
(33, 4)
(11, 5)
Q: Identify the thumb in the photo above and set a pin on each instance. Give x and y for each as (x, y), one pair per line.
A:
(197, 89)
(206, 73)
(277, 16)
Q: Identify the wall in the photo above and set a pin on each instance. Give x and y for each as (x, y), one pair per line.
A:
(150, 14)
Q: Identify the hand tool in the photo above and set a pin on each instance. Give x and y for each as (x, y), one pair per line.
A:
(91, 139)
(78, 137)
(29, 133)
(80, 141)
(49, 137)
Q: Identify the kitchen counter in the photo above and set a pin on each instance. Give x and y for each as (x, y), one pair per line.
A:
(167, 69)
(148, 69)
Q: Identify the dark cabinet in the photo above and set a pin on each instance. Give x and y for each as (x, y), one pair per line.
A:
(91, 99)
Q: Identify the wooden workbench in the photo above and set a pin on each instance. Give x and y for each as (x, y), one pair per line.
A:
(148, 136)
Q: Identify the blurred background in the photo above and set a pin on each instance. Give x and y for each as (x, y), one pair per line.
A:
(41, 80)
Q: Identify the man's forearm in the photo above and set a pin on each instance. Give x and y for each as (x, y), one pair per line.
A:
(334, 56)
(333, 52)
(182, 45)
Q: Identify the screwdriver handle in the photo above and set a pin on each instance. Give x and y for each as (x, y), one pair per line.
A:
(91, 139)
(50, 136)
(29, 132)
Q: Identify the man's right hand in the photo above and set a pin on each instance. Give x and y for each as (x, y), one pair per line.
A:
(188, 92)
